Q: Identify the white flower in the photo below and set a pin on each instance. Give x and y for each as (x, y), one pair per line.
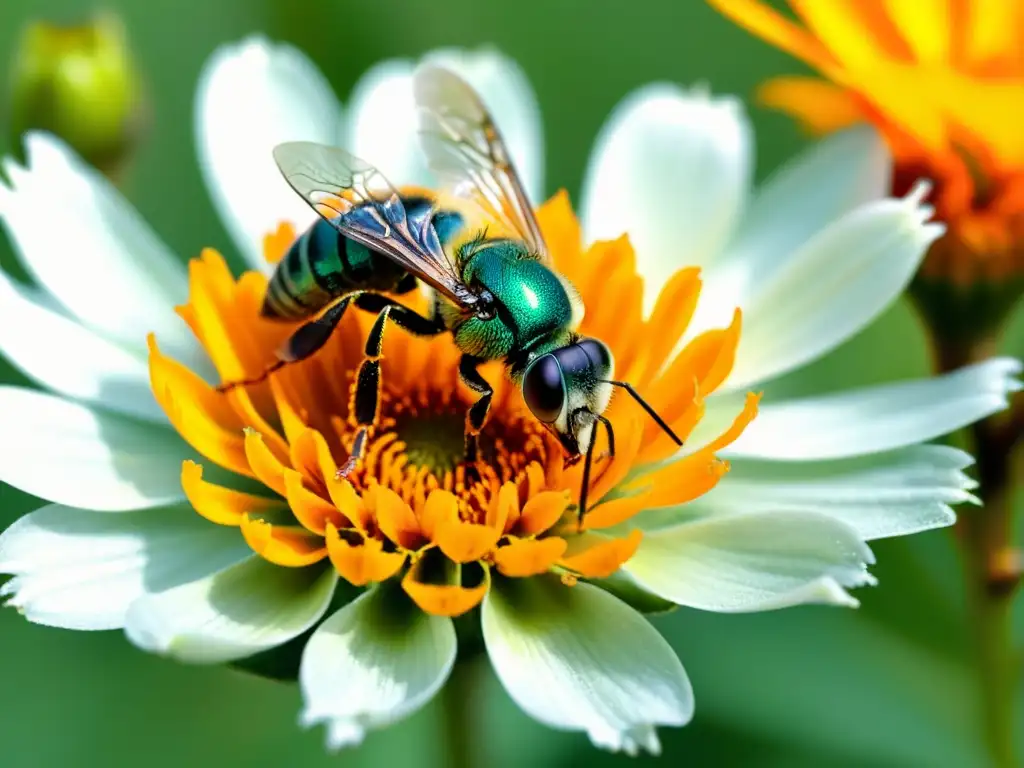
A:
(811, 258)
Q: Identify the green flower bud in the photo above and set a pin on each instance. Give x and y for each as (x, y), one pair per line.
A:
(80, 84)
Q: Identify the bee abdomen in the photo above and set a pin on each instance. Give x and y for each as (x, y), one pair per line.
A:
(323, 264)
(302, 284)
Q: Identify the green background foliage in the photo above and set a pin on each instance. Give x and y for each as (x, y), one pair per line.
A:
(888, 685)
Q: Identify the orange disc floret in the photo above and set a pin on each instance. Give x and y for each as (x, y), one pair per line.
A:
(412, 509)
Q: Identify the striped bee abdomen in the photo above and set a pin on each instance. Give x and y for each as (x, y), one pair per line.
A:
(323, 264)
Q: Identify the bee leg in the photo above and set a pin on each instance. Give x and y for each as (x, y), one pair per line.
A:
(477, 414)
(366, 398)
(303, 343)
(588, 463)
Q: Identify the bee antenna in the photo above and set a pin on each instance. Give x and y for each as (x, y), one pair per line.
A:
(647, 407)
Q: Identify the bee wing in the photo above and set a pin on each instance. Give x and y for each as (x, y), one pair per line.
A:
(360, 203)
(463, 147)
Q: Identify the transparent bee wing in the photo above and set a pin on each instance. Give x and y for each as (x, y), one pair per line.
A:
(463, 147)
(361, 204)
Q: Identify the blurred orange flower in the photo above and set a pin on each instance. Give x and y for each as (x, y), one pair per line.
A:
(943, 80)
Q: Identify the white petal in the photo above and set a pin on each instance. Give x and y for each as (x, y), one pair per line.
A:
(374, 662)
(672, 170)
(64, 355)
(878, 418)
(81, 570)
(89, 248)
(833, 286)
(67, 453)
(577, 658)
(253, 95)
(382, 123)
(753, 562)
(383, 126)
(830, 179)
(236, 612)
(885, 494)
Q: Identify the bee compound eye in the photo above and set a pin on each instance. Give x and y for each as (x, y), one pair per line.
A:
(544, 389)
(599, 355)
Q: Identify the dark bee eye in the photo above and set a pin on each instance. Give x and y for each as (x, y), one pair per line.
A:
(544, 389)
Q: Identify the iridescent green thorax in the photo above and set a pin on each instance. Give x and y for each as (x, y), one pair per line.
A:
(531, 303)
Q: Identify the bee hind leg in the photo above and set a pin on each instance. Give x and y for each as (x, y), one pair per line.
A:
(366, 398)
(303, 343)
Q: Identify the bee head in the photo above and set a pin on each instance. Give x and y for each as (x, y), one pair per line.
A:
(566, 389)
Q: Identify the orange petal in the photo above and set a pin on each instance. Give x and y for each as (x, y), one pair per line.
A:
(858, 34)
(660, 446)
(363, 563)
(444, 600)
(668, 321)
(771, 26)
(925, 25)
(307, 454)
(441, 506)
(684, 480)
(287, 545)
(993, 31)
(692, 476)
(505, 506)
(210, 298)
(349, 503)
(396, 519)
(629, 434)
(313, 512)
(291, 421)
(738, 425)
(277, 243)
(529, 557)
(218, 504)
(602, 560)
(465, 542)
(562, 232)
(201, 416)
(188, 314)
(821, 106)
(262, 463)
(508, 506)
(713, 369)
(614, 512)
(243, 404)
(700, 367)
(541, 512)
(531, 484)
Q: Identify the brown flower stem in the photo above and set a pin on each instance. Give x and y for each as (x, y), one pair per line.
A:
(992, 564)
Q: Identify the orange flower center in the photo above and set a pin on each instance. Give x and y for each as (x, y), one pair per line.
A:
(412, 509)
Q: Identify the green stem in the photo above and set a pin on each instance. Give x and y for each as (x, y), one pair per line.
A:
(991, 567)
(460, 713)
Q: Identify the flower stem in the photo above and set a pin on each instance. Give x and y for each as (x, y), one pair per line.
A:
(992, 564)
(459, 713)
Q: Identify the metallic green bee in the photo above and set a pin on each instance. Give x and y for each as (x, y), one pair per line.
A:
(499, 297)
